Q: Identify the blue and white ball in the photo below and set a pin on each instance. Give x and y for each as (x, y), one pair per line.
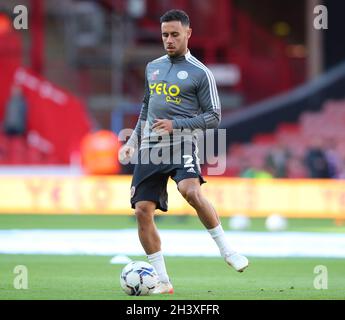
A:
(138, 278)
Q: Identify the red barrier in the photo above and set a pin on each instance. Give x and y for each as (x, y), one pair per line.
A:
(55, 114)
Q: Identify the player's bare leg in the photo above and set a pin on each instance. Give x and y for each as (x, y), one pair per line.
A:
(151, 242)
(191, 191)
(147, 230)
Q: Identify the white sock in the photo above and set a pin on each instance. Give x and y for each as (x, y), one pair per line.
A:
(157, 260)
(218, 236)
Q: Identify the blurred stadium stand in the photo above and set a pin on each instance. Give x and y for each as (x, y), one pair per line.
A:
(293, 121)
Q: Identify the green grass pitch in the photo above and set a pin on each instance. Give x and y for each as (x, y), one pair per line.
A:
(164, 221)
(93, 277)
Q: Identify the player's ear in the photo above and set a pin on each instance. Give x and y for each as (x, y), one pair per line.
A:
(189, 32)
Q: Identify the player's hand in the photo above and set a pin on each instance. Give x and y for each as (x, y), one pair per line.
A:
(162, 126)
(125, 153)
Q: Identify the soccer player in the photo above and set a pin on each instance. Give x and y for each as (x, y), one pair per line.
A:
(180, 96)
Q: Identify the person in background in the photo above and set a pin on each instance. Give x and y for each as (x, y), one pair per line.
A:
(316, 160)
(277, 159)
(15, 119)
(333, 158)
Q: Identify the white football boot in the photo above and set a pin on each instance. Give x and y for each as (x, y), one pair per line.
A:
(163, 287)
(237, 261)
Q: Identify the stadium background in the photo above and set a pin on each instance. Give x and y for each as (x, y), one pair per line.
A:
(73, 80)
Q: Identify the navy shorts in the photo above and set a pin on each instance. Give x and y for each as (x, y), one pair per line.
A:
(150, 179)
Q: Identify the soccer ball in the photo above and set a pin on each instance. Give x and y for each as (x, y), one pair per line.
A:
(239, 222)
(276, 222)
(138, 278)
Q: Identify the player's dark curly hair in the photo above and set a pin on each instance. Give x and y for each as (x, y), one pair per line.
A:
(175, 15)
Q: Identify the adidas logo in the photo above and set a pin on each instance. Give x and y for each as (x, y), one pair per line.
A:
(191, 170)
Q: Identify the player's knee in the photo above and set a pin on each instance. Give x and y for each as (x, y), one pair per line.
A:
(193, 197)
(143, 213)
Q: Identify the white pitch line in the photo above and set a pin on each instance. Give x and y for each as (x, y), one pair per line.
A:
(174, 243)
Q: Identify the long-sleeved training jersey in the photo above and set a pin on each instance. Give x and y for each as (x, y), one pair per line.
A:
(181, 89)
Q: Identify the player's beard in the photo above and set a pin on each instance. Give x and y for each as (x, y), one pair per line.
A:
(174, 54)
(171, 53)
